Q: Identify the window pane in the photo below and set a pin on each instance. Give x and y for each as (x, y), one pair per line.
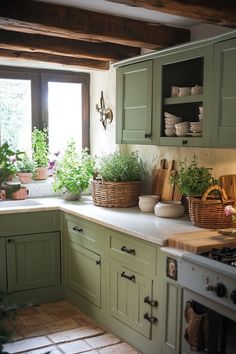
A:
(15, 114)
(64, 114)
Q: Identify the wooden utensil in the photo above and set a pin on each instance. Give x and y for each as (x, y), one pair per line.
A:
(158, 178)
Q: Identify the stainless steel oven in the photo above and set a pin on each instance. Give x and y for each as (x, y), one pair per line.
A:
(209, 305)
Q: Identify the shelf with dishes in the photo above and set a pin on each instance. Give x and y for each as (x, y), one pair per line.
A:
(183, 99)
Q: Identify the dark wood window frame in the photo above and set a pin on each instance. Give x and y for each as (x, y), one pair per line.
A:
(39, 79)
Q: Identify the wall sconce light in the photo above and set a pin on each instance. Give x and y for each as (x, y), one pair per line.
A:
(106, 115)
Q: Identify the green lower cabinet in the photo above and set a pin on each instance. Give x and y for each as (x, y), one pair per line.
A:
(3, 269)
(127, 291)
(33, 261)
(84, 272)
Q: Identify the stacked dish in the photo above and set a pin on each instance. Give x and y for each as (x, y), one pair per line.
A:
(182, 129)
(200, 116)
(195, 129)
(170, 121)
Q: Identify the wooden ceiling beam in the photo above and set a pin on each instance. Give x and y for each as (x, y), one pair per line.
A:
(218, 12)
(73, 23)
(66, 47)
(59, 59)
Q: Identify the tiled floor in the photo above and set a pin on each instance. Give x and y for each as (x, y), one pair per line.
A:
(59, 328)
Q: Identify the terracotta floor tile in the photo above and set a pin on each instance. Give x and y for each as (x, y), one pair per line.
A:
(78, 346)
(103, 340)
(77, 333)
(63, 325)
(27, 344)
(28, 311)
(83, 320)
(51, 349)
(121, 348)
(37, 319)
(34, 331)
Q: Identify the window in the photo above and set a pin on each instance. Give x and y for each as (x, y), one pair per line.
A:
(57, 100)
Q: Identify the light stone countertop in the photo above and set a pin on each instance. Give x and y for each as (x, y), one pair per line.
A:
(132, 221)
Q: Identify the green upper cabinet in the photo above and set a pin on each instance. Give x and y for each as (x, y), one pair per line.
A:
(224, 94)
(182, 68)
(134, 104)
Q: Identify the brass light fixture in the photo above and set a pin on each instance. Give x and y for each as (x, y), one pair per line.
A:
(106, 114)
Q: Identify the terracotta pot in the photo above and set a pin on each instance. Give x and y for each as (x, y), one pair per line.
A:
(25, 177)
(41, 173)
(20, 193)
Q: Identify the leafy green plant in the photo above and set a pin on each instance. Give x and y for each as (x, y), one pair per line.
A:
(74, 170)
(25, 164)
(7, 162)
(192, 180)
(121, 167)
(40, 147)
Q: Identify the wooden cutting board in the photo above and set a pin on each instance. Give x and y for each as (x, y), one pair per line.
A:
(228, 182)
(161, 183)
(200, 241)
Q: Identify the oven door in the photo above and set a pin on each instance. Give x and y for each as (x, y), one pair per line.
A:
(204, 329)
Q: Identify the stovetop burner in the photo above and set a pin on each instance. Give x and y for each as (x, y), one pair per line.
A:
(224, 255)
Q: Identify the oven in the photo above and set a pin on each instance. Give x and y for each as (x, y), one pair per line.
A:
(209, 305)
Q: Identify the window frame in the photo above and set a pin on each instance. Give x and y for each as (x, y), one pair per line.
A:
(39, 89)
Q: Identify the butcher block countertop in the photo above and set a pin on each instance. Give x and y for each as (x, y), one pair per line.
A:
(132, 221)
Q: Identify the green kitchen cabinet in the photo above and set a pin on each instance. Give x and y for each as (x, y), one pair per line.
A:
(134, 104)
(223, 123)
(3, 269)
(33, 261)
(183, 68)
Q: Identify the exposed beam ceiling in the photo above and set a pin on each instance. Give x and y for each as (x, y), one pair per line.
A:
(72, 36)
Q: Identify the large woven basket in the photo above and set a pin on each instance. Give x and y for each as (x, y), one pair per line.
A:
(209, 212)
(115, 194)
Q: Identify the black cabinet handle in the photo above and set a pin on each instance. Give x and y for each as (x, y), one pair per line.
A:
(98, 262)
(184, 142)
(147, 135)
(11, 240)
(129, 277)
(152, 303)
(77, 228)
(150, 319)
(128, 250)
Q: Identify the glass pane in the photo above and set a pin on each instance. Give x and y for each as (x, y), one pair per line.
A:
(15, 114)
(64, 115)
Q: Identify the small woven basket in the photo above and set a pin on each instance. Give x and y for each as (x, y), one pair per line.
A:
(208, 212)
(115, 194)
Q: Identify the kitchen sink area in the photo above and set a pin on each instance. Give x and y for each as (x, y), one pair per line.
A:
(18, 203)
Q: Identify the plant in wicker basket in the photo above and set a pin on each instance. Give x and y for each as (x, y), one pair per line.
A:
(118, 182)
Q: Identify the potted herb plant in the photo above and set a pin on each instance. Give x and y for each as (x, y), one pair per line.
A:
(25, 168)
(7, 163)
(118, 181)
(73, 172)
(40, 152)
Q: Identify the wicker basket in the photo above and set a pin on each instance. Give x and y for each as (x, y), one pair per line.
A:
(115, 194)
(208, 212)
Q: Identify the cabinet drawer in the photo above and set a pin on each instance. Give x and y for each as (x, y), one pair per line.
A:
(137, 255)
(84, 233)
(29, 223)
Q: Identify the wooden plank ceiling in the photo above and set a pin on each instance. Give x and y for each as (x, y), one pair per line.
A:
(53, 33)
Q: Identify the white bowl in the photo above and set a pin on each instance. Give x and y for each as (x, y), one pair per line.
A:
(147, 203)
(169, 209)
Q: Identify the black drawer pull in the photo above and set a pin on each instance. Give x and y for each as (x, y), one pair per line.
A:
(77, 228)
(128, 250)
(11, 240)
(184, 142)
(147, 135)
(129, 277)
(152, 303)
(98, 262)
(150, 319)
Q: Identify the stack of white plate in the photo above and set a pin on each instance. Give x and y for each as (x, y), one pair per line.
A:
(196, 128)
(200, 116)
(170, 121)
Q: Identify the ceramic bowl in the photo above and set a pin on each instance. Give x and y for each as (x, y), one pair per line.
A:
(169, 209)
(147, 203)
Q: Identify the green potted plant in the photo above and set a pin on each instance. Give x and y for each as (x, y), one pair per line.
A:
(7, 163)
(73, 172)
(118, 181)
(25, 168)
(40, 152)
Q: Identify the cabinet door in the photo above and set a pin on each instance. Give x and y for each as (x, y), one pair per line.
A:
(128, 290)
(134, 103)
(224, 94)
(185, 68)
(84, 272)
(33, 261)
(3, 271)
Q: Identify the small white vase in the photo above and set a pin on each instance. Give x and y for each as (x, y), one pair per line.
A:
(147, 203)
(71, 196)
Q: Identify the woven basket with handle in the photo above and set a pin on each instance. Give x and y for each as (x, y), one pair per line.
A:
(115, 194)
(208, 212)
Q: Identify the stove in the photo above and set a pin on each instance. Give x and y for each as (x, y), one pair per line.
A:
(224, 255)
